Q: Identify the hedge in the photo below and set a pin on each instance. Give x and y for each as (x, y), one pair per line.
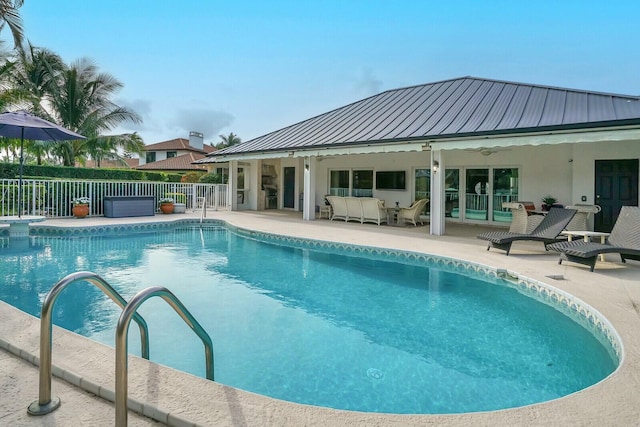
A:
(11, 171)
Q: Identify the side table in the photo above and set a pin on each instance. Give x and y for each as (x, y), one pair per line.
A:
(325, 210)
(393, 217)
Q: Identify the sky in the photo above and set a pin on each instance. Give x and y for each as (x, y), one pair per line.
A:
(253, 67)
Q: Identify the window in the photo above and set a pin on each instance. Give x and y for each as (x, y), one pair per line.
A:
(390, 180)
(422, 187)
(151, 156)
(240, 178)
(505, 189)
(362, 183)
(224, 174)
(452, 192)
(240, 186)
(171, 154)
(339, 183)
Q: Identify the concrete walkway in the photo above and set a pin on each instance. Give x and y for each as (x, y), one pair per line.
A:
(613, 289)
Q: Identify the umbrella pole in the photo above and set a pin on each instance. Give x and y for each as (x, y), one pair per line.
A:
(20, 174)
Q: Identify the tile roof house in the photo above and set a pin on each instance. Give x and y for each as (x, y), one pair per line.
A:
(494, 141)
(176, 154)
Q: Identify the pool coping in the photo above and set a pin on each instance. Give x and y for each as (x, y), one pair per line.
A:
(26, 343)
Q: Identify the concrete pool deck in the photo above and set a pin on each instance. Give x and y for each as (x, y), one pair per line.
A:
(177, 398)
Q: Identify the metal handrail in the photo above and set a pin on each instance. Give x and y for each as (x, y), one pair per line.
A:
(45, 404)
(203, 212)
(122, 342)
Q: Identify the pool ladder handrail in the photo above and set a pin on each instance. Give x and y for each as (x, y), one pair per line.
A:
(203, 211)
(124, 321)
(45, 404)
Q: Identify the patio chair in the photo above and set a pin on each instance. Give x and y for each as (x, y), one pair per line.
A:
(338, 207)
(521, 219)
(546, 232)
(412, 213)
(580, 222)
(624, 240)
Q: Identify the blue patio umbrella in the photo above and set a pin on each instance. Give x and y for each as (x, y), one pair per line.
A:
(24, 125)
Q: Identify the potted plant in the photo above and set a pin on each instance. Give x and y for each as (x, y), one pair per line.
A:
(80, 207)
(547, 202)
(179, 202)
(166, 205)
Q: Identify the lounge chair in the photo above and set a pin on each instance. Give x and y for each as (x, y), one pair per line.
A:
(624, 239)
(547, 231)
(338, 207)
(412, 213)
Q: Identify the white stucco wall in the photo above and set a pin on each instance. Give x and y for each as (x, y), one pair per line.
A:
(565, 171)
(544, 170)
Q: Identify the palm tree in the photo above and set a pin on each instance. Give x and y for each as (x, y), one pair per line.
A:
(109, 147)
(31, 73)
(35, 73)
(10, 16)
(228, 141)
(81, 101)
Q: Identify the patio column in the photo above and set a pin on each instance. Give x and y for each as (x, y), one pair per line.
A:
(232, 186)
(254, 183)
(309, 201)
(437, 226)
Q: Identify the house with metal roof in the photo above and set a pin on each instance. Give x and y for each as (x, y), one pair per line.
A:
(467, 144)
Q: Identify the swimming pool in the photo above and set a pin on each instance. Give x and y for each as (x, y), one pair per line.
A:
(369, 333)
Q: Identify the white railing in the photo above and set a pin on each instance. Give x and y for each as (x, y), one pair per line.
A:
(53, 198)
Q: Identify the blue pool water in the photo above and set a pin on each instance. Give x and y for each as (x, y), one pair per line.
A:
(316, 327)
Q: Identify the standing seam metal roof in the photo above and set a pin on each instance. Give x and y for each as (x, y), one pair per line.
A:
(465, 106)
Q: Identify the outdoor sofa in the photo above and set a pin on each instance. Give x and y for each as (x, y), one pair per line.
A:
(361, 209)
(624, 240)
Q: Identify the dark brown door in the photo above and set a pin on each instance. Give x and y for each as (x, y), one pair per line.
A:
(616, 186)
(289, 196)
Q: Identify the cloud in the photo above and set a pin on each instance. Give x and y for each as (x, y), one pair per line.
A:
(143, 109)
(207, 121)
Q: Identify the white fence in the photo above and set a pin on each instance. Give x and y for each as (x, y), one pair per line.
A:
(52, 198)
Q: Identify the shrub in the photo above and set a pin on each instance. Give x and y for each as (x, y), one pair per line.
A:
(11, 171)
(191, 177)
(211, 178)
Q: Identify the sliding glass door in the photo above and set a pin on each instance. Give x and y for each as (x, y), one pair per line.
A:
(505, 189)
(476, 194)
(422, 187)
(485, 190)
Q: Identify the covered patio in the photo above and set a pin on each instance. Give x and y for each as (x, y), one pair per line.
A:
(466, 144)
